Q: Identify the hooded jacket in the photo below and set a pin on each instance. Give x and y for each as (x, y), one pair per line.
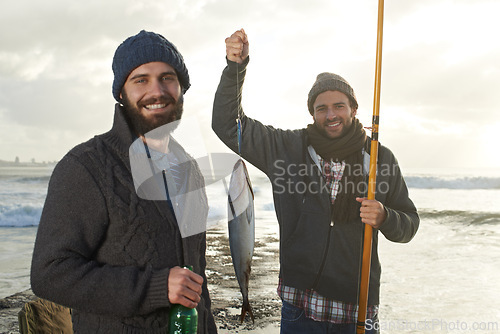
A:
(315, 251)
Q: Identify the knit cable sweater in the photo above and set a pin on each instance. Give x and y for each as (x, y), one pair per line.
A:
(106, 253)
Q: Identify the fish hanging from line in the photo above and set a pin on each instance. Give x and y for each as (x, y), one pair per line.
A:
(241, 229)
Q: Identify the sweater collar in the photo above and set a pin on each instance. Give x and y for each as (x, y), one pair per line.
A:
(120, 136)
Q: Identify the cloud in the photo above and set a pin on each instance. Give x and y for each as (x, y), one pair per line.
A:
(440, 68)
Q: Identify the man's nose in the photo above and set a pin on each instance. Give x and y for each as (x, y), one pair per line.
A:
(157, 88)
(330, 114)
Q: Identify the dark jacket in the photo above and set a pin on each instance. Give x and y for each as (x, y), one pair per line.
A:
(315, 253)
(106, 253)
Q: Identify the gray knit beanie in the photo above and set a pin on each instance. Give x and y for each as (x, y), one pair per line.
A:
(328, 81)
(146, 47)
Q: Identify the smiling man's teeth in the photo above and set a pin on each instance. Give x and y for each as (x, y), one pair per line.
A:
(156, 106)
(334, 124)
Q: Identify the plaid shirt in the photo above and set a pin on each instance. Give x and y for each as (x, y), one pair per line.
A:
(315, 306)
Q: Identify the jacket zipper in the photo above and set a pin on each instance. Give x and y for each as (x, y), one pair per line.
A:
(325, 255)
(330, 229)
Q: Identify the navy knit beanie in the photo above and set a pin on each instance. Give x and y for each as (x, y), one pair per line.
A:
(328, 81)
(146, 47)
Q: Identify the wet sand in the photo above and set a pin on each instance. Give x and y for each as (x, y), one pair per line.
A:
(225, 292)
(223, 287)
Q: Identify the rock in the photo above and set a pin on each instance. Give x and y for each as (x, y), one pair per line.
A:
(9, 309)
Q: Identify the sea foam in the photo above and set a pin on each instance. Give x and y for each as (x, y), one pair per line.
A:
(20, 215)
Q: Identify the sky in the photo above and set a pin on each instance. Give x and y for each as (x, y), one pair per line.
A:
(440, 98)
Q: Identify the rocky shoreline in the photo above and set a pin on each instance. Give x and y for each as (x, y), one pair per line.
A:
(223, 286)
(9, 309)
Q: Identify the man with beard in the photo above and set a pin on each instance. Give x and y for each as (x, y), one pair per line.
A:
(319, 177)
(114, 257)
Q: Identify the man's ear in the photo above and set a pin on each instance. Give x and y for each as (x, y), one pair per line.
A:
(313, 116)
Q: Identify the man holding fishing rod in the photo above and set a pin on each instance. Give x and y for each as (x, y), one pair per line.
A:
(319, 178)
(113, 250)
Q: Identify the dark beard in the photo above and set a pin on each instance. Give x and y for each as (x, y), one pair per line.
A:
(140, 125)
(324, 133)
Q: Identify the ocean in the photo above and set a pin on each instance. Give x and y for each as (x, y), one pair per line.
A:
(444, 280)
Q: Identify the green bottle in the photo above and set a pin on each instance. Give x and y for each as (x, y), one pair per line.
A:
(183, 320)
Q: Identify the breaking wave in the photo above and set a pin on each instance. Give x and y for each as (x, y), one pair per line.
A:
(20, 215)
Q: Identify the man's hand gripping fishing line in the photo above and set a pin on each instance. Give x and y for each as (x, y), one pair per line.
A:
(237, 46)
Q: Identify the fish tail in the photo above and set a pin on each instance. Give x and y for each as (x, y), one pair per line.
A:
(244, 309)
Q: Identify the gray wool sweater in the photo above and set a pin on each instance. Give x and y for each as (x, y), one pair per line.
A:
(106, 253)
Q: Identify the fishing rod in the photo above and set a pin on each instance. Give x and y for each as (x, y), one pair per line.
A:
(372, 180)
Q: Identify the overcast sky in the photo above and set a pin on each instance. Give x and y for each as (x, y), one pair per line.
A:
(440, 77)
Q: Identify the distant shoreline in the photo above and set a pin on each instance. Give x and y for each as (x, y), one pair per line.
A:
(4, 163)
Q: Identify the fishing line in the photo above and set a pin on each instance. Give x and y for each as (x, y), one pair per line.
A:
(164, 174)
(238, 133)
(238, 103)
(181, 256)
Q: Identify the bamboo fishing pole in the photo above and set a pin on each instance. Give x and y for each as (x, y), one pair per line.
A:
(372, 180)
